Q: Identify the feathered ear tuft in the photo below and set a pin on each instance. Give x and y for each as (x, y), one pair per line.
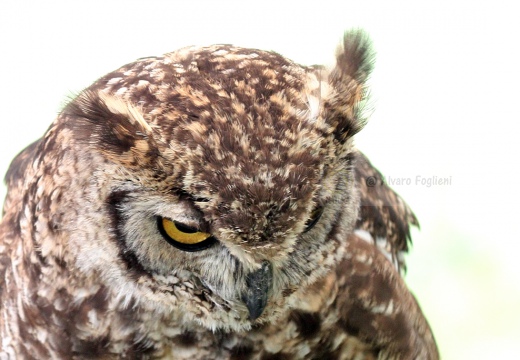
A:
(354, 62)
(113, 127)
(354, 56)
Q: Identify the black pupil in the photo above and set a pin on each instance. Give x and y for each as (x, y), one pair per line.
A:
(185, 228)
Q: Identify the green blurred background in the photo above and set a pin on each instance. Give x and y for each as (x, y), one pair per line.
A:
(445, 93)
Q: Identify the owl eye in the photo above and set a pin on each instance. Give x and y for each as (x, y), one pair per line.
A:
(313, 219)
(182, 236)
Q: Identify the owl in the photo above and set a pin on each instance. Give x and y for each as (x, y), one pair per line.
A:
(209, 204)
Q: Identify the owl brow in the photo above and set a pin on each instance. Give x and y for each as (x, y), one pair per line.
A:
(184, 195)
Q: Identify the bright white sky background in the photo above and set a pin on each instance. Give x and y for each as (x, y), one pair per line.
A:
(445, 94)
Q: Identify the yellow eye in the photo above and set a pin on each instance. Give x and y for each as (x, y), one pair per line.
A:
(183, 236)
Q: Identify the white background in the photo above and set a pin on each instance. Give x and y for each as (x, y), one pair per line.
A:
(444, 93)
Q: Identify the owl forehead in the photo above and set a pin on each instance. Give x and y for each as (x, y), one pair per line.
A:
(229, 122)
(227, 111)
(243, 117)
(216, 83)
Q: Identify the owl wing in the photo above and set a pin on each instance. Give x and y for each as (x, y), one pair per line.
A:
(374, 303)
(18, 172)
(383, 215)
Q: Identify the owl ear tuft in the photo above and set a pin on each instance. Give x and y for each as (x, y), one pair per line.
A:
(354, 56)
(344, 105)
(113, 126)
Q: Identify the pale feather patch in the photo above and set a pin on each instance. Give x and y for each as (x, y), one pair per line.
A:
(381, 244)
(364, 235)
(317, 89)
(119, 106)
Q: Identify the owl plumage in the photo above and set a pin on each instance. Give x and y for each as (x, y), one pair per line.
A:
(209, 204)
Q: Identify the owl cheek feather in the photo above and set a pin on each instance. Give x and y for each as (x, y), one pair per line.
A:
(258, 284)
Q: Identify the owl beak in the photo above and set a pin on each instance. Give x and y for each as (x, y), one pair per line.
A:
(258, 284)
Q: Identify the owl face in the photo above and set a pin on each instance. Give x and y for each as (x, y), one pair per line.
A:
(217, 174)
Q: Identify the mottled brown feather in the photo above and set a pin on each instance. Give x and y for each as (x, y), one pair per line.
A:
(382, 212)
(240, 143)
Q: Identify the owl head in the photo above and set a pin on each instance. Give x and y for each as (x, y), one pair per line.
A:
(208, 185)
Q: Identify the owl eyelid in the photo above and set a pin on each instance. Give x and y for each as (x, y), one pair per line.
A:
(185, 228)
(313, 220)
